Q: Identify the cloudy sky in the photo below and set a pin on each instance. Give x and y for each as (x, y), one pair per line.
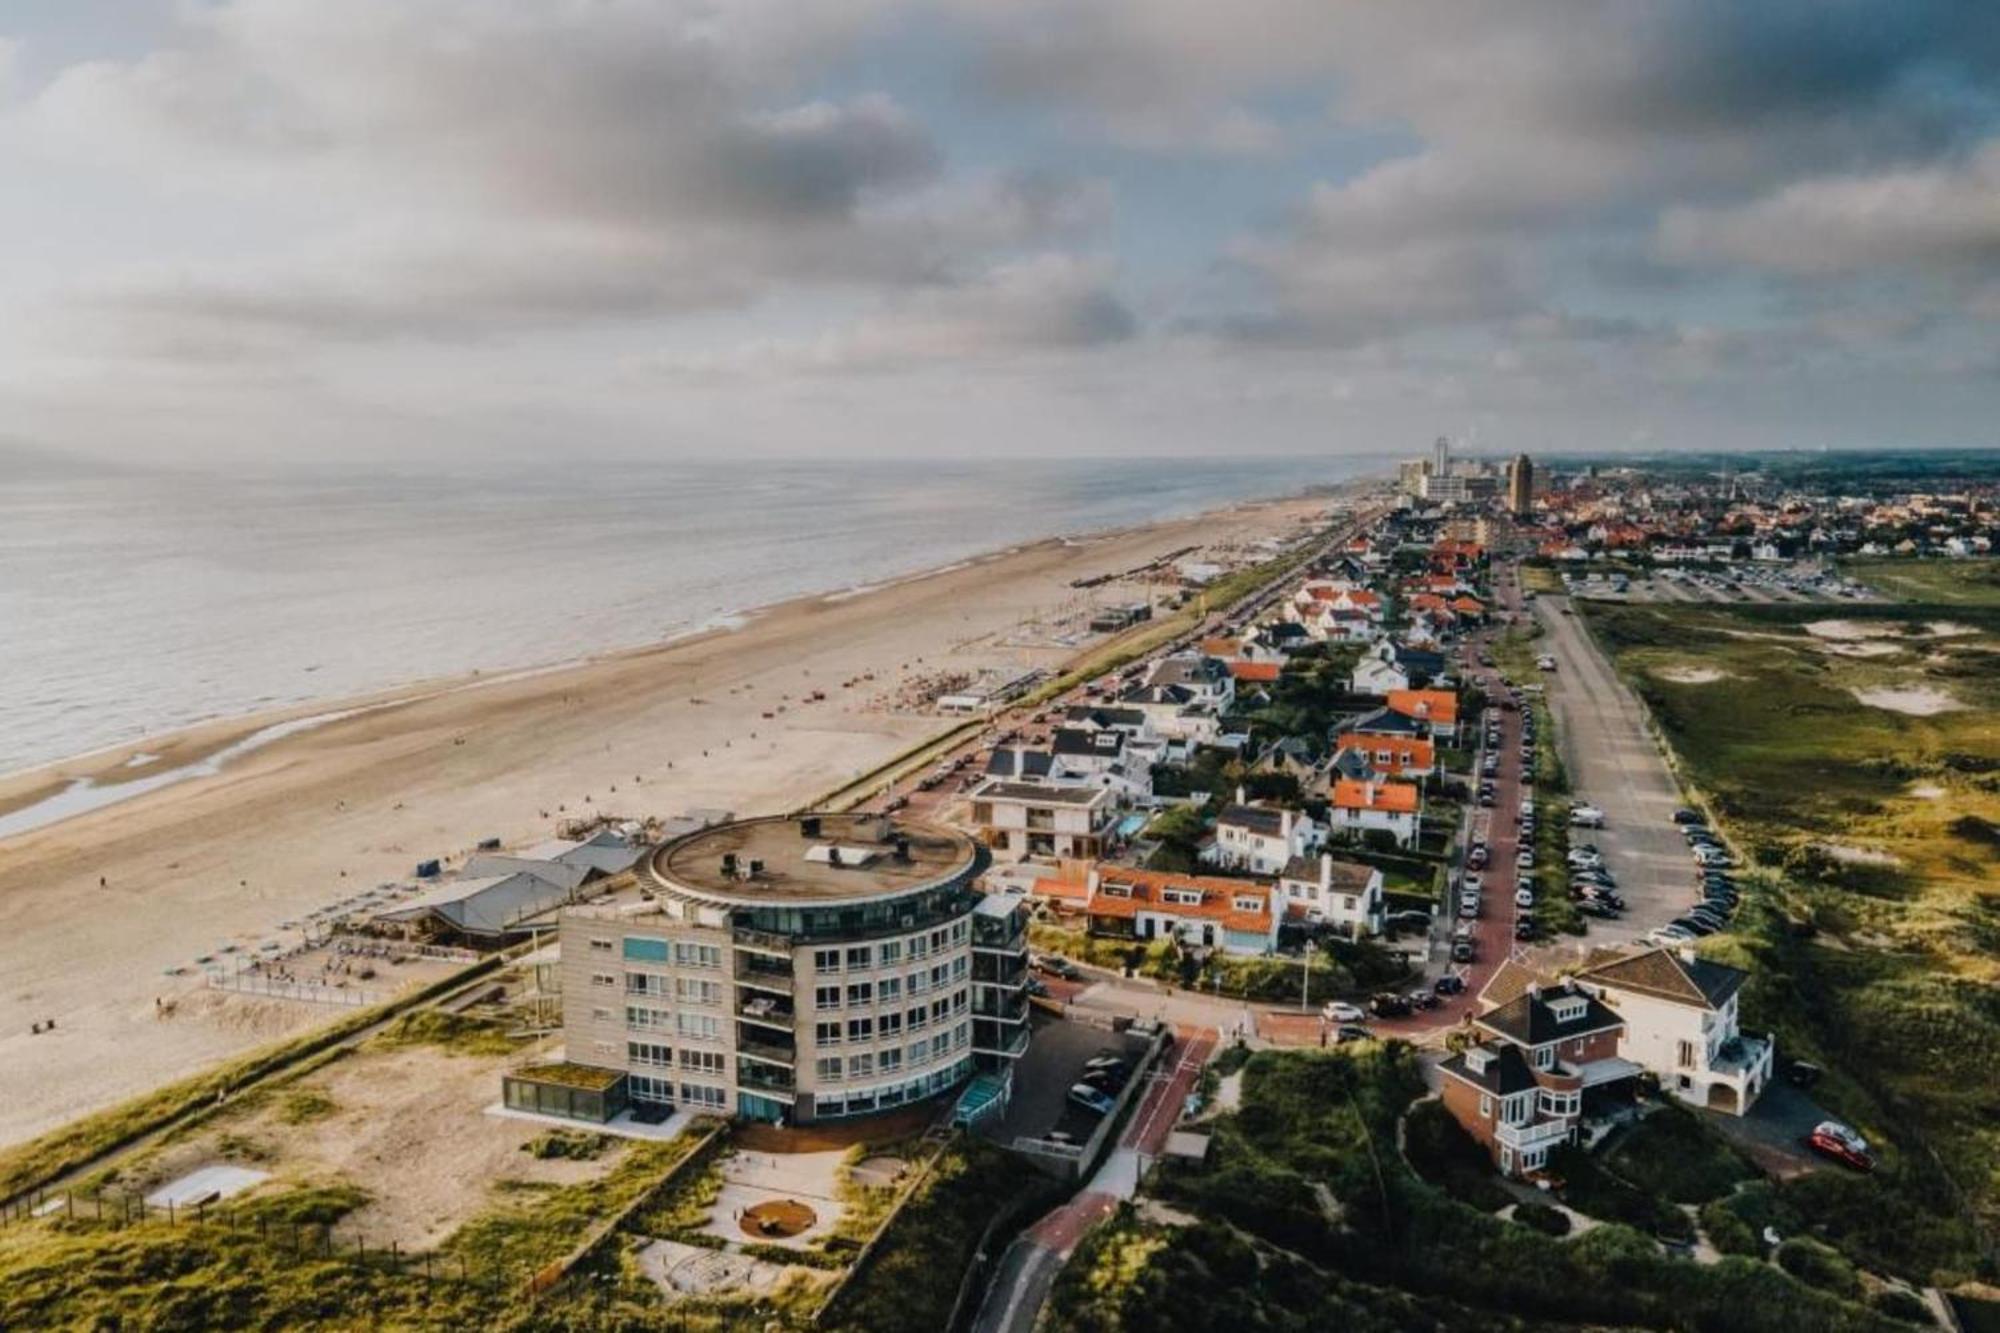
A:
(403, 228)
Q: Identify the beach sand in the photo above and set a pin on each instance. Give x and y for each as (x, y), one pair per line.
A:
(317, 816)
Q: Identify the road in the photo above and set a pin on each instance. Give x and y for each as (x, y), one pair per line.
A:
(1615, 765)
(1026, 1272)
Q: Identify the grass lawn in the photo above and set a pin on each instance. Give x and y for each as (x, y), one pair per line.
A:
(1870, 921)
(1940, 581)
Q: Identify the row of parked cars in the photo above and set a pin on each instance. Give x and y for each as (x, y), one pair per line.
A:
(1103, 1078)
(1714, 865)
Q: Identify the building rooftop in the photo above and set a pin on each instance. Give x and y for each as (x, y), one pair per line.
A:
(813, 860)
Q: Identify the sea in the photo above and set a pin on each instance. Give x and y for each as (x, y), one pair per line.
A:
(134, 603)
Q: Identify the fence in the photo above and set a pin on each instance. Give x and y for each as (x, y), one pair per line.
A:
(313, 992)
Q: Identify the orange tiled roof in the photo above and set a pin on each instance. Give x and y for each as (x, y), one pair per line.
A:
(1218, 897)
(1439, 706)
(1396, 798)
(1254, 672)
(1409, 751)
(1470, 606)
(1074, 891)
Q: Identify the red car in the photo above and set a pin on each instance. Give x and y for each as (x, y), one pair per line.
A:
(1834, 1140)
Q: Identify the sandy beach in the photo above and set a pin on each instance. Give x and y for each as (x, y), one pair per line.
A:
(315, 816)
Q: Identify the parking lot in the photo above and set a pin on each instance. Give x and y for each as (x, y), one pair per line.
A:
(1751, 584)
(1043, 1075)
(1615, 765)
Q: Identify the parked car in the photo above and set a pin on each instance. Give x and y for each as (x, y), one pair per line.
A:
(1106, 1081)
(1107, 1060)
(1451, 983)
(1461, 951)
(1692, 926)
(1524, 929)
(1587, 816)
(1524, 898)
(1422, 999)
(1686, 816)
(1597, 908)
(1090, 1099)
(1056, 966)
(1389, 1005)
(1339, 1011)
(1834, 1140)
(1668, 935)
(1525, 859)
(1408, 919)
(1347, 1032)
(1802, 1073)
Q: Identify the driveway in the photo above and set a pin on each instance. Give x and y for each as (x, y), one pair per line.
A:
(1615, 765)
(1771, 1134)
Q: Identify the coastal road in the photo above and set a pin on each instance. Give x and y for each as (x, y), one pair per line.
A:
(1026, 1272)
(1614, 764)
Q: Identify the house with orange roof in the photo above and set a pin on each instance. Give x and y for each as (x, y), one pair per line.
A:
(1239, 916)
(1468, 607)
(1254, 673)
(1438, 708)
(1360, 806)
(1403, 758)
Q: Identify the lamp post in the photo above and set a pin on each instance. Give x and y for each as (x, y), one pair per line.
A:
(1306, 980)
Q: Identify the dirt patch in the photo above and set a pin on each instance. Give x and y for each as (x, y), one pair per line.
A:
(1950, 629)
(776, 1219)
(1847, 629)
(1692, 675)
(1859, 856)
(1914, 700)
(1927, 791)
(407, 1126)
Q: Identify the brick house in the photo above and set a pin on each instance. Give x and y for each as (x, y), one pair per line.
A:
(1520, 1091)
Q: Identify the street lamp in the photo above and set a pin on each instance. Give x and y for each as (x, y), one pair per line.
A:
(1306, 980)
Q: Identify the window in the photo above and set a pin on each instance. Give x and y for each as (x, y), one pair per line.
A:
(648, 1089)
(892, 1060)
(892, 1025)
(646, 983)
(918, 949)
(600, 946)
(958, 1002)
(940, 1043)
(644, 950)
(826, 960)
(648, 1053)
(860, 992)
(1684, 1054)
(939, 939)
(918, 1052)
(601, 1015)
(829, 1068)
(917, 1018)
(702, 1062)
(860, 958)
(940, 974)
(860, 1029)
(638, 1016)
(697, 990)
(827, 1034)
(919, 983)
(1252, 904)
(861, 1066)
(1184, 897)
(826, 997)
(696, 1094)
(940, 1008)
(604, 978)
(1111, 890)
(701, 1027)
(889, 988)
(958, 966)
(689, 954)
(1485, 1107)
(1545, 1057)
(891, 952)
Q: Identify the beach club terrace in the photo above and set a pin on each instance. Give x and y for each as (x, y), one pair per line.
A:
(793, 969)
(499, 897)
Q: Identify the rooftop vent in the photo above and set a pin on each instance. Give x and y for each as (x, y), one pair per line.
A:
(809, 826)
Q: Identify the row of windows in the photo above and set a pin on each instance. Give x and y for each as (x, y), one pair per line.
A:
(664, 1092)
(697, 1027)
(888, 953)
(830, 1032)
(867, 1064)
(682, 953)
(887, 990)
(693, 1062)
(858, 1101)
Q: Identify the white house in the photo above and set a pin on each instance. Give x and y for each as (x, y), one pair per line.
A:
(1361, 807)
(1393, 666)
(1260, 839)
(1347, 894)
(1021, 819)
(1681, 1022)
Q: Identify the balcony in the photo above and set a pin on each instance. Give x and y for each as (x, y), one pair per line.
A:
(763, 941)
(1000, 1006)
(756, 970)
(1008, 972)
(771, 1053)
(1534, 1134)
(766, 1080)
(767, 1011)
(991, 1038)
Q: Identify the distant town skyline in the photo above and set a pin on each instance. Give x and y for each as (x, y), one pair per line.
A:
(406, 230)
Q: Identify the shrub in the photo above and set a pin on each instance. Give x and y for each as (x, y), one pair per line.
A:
(1728, 1232)
(1445, 1155)
(1819, 1265)
(1543, 1218)
(1899, 1303)
(304, 1105)
(574, 1145)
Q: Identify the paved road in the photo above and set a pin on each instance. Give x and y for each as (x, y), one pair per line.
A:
(1615, 765)
(1026, 1272)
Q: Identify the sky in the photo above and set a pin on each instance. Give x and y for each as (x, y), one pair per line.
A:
(386, 230)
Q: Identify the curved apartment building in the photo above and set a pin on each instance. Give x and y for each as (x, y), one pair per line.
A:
(792, 968)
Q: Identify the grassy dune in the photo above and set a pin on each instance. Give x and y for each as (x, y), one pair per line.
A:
(1875, 836)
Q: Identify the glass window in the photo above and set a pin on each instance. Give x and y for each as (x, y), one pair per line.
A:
(860, 1029)
(828, 1068)
(827, 1034)
(861, 1066)
(644, 950)
(860, 992)
(826, 997)
(859, 958)
(890, 951)
(826, 960)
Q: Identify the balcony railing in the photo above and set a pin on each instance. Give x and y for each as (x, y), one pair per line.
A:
(1000, 1006)
(764, 1078)
(768, 1052)
(751, 971)
(1535, 1134)
(996, 1039)
(767, 1011)
(763, 941)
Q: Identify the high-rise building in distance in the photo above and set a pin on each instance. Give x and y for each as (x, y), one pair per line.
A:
(1520, 485)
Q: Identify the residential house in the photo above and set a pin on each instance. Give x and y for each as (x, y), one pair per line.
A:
(1259, 838)
(1326, 889)
(1401, 758)
(1437, 709)
(1023, 819)
(1293, 755)
(1234, 915)
(1394, 666)
(1520, 1091)
(1682, 1022)
(1359, 808)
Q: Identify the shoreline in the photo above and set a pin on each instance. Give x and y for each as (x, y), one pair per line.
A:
(102, 912)
(61, 786)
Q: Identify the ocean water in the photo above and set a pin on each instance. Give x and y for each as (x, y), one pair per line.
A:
(133, 604)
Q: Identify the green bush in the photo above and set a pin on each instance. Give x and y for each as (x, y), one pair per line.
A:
(1670, 1153)
(573, 1145)
(1819, 1265)
(1728, 1232)
(1543, 1218)
(1444, 1154)
(1900, 1303)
